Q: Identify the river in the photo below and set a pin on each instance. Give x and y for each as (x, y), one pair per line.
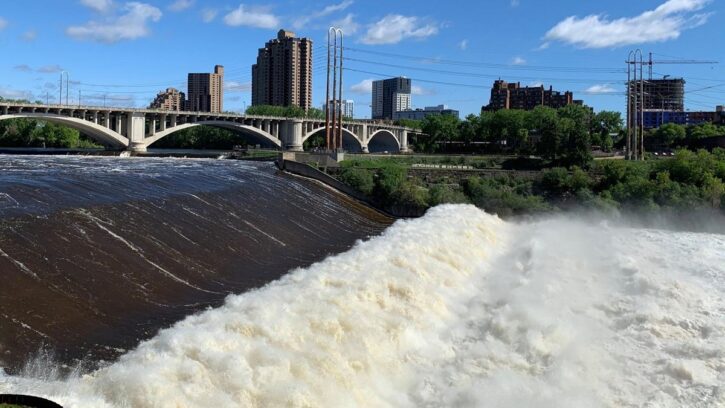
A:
(457, 308)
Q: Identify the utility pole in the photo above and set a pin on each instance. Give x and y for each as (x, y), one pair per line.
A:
(635, 105)
(333, 120)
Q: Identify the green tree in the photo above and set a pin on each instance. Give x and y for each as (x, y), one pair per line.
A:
(545, 121)
(670, 134)
(439, 128)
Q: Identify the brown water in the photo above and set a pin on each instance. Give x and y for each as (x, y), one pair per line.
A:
(98, 253)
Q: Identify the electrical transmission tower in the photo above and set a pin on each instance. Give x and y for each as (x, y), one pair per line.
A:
(638, 98)
(333, 107)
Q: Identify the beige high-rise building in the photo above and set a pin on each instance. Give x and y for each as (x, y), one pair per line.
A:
(170, 99)
(282, 75)
(206, 91)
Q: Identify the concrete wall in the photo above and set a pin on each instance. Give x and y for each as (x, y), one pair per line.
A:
(305, 170)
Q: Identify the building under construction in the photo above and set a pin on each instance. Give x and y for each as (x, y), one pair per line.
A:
(666, 94)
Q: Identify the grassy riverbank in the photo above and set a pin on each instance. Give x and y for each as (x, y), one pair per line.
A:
(686, 182)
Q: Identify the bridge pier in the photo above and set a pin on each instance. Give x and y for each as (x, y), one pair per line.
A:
(292, 136)
(136, 128)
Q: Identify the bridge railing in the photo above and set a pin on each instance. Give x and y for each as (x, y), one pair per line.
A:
(191, 113)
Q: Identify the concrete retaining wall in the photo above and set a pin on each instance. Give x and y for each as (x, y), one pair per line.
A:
(305, 170)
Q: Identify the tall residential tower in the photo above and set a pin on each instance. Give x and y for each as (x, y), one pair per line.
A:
(206, 91)
(282, 75)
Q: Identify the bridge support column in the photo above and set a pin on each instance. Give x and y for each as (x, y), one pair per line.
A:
(152, 127)
(173, 120)
(292, 135)
(136, 127)
(404, 141)
(162, 126)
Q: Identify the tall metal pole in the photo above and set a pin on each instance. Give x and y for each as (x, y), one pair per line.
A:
(327, 95)
(635, 139)
(339, 31)
(67, 86)
(629, 105)
(334, 92)
(642, 100)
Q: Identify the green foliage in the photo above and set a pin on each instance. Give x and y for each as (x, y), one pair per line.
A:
(439, 128)
(444, 194)
(671, 134)
(360, 179)
(388, 180)
(284, 112)
(409, 123)
(504, 196)
(33, 133)
(208, 137)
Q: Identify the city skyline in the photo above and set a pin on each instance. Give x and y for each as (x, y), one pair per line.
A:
(129, 51)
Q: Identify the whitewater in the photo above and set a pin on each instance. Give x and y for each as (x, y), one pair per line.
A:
(457, 308)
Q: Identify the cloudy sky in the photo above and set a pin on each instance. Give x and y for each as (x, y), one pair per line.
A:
(123, 52)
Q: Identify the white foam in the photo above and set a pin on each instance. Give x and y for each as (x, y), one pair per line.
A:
(455, 309)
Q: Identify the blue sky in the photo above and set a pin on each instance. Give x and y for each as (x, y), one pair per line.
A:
(127, 51)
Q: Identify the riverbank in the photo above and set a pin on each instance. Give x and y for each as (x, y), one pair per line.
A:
(687, 187)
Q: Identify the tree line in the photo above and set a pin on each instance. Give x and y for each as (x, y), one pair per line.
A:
(564, 135)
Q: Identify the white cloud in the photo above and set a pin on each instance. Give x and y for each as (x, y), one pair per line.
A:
(98, 5)
(45, 69)
(600, 89)
(3, 23)
(419, 90)
(251, 17)
(518, 61)
(29, 36)
(50, 69)
(347, 24)
(332, 8)
(234, 86)
(394, 28)
(515, 3)
(131, 25)
(181, 5)
(463, 45)
(208, 15)
(363, 87)
(666, 22)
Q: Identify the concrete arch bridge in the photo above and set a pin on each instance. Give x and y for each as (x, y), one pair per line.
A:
(137, 129)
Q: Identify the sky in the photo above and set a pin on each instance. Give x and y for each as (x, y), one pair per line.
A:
(122, 53)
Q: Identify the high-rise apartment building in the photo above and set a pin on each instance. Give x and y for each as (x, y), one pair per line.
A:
(170, 99)
(506, 95)
(206, 91)
(390, 96)
(282, 75)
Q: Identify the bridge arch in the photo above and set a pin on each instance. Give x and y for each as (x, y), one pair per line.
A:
(383, 141)
(350, 142)
(249, 130)
(95, 131)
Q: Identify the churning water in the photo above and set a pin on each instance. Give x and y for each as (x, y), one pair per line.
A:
(457, 308)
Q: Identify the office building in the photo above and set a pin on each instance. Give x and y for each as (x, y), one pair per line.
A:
(206, 91)
(171, 99)
(390, 96)
(282, 75)
(420, 114)
(506, 95)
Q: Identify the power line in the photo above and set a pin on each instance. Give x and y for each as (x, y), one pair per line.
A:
(434, 60)
(477, 75)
